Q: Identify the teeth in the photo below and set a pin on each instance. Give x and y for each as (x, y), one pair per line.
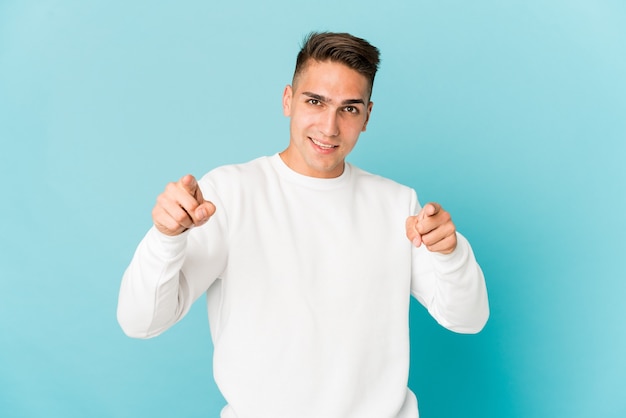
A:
(324, 146)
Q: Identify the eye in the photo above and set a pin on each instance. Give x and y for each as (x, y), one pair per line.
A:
(351, 109)
(313, 102)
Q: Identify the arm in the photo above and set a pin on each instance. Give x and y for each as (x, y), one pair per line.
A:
(177, 261)
(446, 278)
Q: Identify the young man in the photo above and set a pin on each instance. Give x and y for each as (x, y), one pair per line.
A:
(308, 262)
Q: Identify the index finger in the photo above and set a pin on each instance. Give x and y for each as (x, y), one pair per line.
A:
(190, 185)
(430, 209)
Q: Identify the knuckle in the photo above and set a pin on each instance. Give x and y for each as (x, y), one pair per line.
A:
(170, 186)
(161, 199)
(181, 217)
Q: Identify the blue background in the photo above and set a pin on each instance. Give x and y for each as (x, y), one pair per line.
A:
(511, 114)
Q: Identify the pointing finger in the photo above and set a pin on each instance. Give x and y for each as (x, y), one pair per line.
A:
(429, 209)
(192, 201)
(190, 185)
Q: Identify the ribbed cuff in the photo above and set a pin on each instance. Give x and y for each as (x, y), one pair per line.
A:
(166, 246)
(447, 263)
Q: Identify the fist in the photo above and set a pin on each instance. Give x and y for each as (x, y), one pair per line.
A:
(180, 207)
(434, 228)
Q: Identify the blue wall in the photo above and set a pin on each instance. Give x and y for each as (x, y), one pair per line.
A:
(511, 114)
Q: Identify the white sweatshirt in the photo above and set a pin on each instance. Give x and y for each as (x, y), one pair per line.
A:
(308, 284)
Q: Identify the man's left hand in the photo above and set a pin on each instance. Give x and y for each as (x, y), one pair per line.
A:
(433, 227)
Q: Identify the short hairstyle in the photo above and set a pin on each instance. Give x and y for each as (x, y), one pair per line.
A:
(344, 48)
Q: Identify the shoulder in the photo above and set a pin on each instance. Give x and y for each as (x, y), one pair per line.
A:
(376, 191)
(235, 173)
(379, 183)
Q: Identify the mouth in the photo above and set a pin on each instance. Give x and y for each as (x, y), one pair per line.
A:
(322, 145)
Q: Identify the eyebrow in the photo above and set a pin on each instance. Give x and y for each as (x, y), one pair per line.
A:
(327, 100)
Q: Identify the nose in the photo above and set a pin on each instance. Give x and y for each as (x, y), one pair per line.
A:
(329, 125)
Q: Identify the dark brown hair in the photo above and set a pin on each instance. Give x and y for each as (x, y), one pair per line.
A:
(343, 48)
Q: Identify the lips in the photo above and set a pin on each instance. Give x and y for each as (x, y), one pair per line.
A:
(322, 145)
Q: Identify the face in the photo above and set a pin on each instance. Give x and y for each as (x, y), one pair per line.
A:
(329, 107)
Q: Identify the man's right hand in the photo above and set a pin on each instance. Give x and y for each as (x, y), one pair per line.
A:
(181, 206)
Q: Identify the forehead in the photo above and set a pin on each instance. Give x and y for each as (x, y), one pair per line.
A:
(332, 79)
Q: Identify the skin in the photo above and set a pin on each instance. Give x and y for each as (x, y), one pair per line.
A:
(433, 227)
(180, 207)
(328, 106)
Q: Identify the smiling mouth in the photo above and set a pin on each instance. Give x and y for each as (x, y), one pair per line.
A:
(323, 146)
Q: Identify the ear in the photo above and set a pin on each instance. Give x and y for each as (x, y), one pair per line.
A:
(370, 105)
(287, 97)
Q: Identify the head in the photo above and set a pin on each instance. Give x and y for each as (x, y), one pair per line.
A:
(343, 48)
(328, 102)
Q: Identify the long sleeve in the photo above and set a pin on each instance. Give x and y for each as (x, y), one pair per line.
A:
(452, 287)
(167, 274)
(152, 297)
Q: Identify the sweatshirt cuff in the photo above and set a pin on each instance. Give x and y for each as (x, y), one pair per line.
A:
(166, 246)
(448, 263)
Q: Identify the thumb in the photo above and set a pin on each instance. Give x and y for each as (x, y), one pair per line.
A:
(204, 211)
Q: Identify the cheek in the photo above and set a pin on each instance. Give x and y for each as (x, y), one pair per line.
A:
(300, 118)
(352, 128)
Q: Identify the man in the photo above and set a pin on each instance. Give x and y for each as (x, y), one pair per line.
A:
(308, 262)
